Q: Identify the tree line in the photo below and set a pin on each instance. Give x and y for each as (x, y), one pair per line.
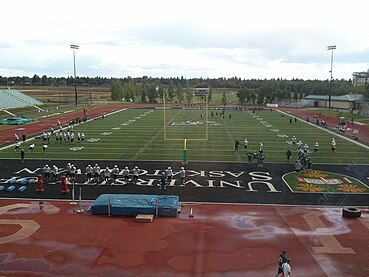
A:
(179, 89)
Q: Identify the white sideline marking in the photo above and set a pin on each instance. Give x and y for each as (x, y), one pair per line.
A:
(327, 130)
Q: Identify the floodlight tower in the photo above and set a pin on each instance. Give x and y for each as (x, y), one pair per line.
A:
(74, 47)
(331, 47)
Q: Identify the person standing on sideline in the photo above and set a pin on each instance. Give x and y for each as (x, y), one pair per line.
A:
(249, 157)
(282, 259)
(333, 145)
(54, 172)
(261, 147)
(169, 174)
(126, 174)
(163, 180)
(287, 269)
(288, 155)
(316, 147)
(115, 172)
(306, 148)
(246, 143)
(46, 171)
(73, 171)
(89, 171)
(183, 175)
(68, 169)
(22, 155)
(96, 172)
(136, 172)
(236, 144)
(294, 140)
(298, 166)
(106, 174)
(72, 138)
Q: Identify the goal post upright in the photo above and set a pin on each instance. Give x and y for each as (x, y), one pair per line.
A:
(206, 117)
(164, 122)
(185, 155)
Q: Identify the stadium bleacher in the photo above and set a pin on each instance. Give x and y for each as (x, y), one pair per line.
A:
(10, 99)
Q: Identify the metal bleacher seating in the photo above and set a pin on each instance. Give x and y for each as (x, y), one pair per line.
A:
(10, 99)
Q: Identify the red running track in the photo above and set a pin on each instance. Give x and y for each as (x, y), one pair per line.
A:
(42, 238)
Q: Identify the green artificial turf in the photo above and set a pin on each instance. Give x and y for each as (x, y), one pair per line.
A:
(138, 134)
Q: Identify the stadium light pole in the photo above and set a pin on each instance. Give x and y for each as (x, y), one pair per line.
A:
(330, 47)
(74, 47)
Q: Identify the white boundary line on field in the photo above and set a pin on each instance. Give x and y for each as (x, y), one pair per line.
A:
(327, 130)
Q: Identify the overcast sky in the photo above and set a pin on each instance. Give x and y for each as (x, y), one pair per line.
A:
(193, 38)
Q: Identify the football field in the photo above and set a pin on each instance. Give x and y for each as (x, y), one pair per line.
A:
(154, 140)
(155, 134)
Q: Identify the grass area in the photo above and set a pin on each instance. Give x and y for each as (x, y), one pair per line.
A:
(231, 98)
(138, 134)
(60, 94)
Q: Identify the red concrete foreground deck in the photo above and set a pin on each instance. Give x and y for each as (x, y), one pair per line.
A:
(50, 239)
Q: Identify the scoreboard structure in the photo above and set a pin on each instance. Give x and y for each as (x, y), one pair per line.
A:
(201, 91)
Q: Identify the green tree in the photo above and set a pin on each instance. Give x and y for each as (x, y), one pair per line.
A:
(129, 90)
(224, 99)
(188, 94)
(36, 80)
(143, 93)
(160, 93)
(44, 80)
(242, 95)
(180, 93)
(210, 96)
(116, 90)
(170, 92)
(153, 93)
(261, 97)
(253, 97)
